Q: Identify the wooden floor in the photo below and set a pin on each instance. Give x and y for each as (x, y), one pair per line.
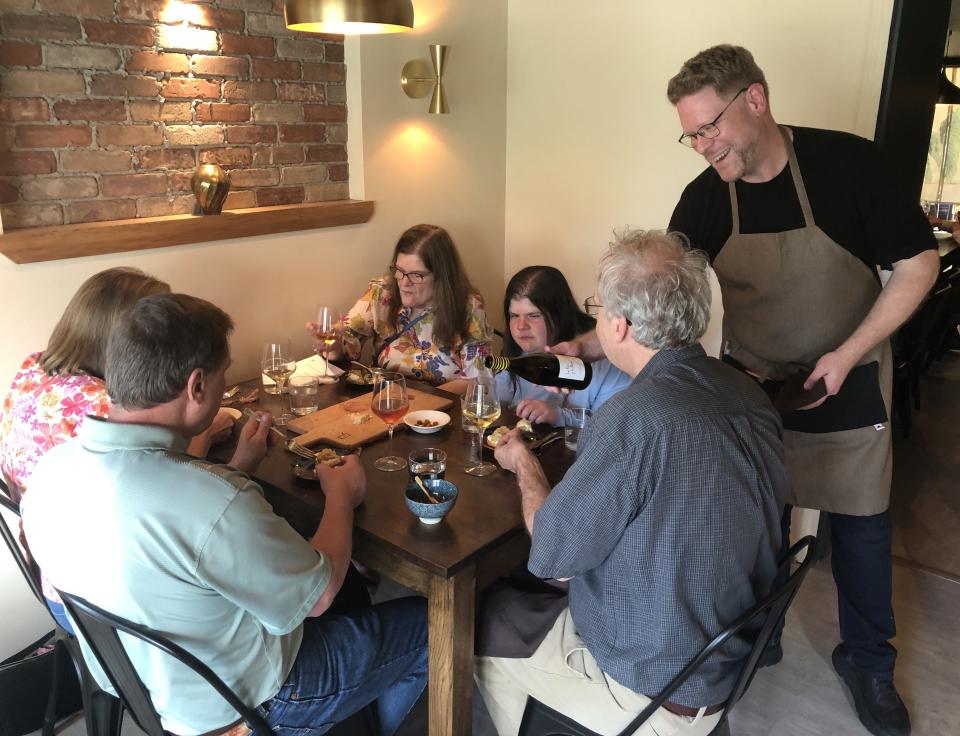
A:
(925, 504)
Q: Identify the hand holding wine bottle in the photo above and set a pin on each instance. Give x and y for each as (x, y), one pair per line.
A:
(545, 369)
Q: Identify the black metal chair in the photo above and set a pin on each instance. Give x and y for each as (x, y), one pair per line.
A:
(103, 713)
(541, 720)
(101, 630)
(912, 351)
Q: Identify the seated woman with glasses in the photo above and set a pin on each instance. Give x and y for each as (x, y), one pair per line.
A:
(539, 310)
(425, 319)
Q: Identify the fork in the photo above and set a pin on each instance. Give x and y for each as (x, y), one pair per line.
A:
(301, 450)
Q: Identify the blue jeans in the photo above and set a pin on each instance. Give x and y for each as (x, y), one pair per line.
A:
(60, 614)
(347, 662)
(863, 572)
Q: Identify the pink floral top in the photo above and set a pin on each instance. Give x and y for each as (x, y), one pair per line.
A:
(414, 352)
(41, 411)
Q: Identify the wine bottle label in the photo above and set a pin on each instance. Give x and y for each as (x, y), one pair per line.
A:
(571, 368)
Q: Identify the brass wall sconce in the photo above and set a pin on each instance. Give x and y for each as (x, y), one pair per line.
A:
(417, 79)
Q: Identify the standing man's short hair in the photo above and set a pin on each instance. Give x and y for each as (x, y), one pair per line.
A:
(158, 342)
(725, 68)
(659, 283)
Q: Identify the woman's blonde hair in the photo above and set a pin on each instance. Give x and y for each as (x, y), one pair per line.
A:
(78, 343)
(451, 287)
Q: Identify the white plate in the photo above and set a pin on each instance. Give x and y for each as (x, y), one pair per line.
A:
(235, 413)
(439, 417)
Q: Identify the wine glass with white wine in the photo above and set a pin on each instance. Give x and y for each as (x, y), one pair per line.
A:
(278, 365)
(326, 336)
(481, 407)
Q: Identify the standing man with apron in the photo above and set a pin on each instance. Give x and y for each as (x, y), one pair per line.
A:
(796, 222)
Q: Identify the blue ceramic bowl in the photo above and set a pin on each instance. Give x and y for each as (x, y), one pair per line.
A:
(431, 513)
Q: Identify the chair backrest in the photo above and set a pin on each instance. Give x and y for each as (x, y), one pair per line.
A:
(29, 569)
(770, 609)
(101, 630)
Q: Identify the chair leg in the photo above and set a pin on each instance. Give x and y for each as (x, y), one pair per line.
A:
(50, 714)
(722, 728)
(103, 714)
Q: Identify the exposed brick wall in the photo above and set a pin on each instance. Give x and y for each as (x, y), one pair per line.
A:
(107, 106)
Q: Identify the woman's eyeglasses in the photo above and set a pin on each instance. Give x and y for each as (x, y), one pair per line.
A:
(415, 277)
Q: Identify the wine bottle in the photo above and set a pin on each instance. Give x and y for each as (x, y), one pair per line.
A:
(545, 369)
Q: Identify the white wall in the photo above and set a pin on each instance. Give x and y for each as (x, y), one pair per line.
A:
(591, 137)
(447, 170)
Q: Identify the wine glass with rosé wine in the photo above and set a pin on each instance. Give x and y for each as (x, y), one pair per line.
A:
(390, 402)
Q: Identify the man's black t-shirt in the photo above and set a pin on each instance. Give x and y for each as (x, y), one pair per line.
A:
(854, 199)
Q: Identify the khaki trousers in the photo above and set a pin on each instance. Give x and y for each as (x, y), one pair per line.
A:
(564, 675)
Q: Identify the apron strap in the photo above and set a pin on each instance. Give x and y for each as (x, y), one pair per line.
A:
(797, 179)
(797, 184)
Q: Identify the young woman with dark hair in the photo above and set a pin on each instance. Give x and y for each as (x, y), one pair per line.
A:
(539, 310)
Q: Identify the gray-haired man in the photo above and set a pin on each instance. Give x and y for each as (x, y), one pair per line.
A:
(668, 521)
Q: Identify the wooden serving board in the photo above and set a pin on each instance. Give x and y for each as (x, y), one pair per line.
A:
(334, 425)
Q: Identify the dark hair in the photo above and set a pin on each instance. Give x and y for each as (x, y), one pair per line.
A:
(158, 342)
(451, 287)
(78, 343)
(548, 291)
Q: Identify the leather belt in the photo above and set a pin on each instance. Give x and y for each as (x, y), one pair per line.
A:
(687, 711)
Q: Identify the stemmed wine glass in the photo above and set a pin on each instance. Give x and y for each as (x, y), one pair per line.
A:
(481, 407)
(326, 336)
(390, 402)
(278, 364)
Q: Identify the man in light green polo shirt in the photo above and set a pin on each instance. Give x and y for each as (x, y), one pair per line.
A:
(123, 517)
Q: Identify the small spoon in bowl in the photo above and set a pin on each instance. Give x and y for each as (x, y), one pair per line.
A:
(430, 496)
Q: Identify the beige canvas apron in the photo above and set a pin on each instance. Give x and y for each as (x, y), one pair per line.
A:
(788, 299)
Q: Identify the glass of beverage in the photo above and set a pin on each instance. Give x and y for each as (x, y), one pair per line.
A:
(482, 408)
(465, 424)
(328, 321)
(575, 419)
(278, 365)
(430, 463)
(304, 394)
(390, 402)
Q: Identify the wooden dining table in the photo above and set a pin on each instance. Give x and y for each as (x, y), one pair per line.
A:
(481, 538)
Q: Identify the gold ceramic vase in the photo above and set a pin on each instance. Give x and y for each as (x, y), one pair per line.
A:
(210, 185)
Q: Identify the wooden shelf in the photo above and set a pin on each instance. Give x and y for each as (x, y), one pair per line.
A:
(32, 245)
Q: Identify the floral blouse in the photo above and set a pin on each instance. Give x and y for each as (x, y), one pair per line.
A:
(413, 352)
(41, 411)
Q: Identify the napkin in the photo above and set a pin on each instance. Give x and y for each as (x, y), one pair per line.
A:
(312, 366)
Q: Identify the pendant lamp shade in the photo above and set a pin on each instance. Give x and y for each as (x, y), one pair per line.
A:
(349, 17)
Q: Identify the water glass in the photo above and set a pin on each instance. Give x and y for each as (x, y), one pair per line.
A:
(430, 463)
(575, 419)
(304, 394)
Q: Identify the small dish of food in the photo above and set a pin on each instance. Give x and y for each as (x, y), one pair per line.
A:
(303, 467)
(526, 430)
(235, 413)
(359, 375)
(426, 421)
